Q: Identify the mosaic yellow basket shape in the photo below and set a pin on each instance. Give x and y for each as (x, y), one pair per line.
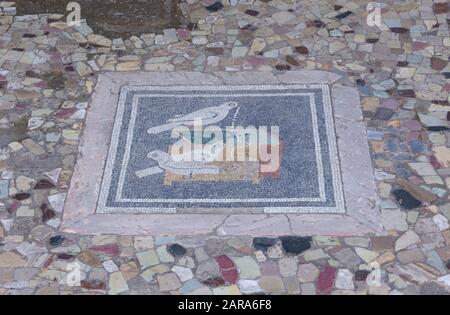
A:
(246, 168)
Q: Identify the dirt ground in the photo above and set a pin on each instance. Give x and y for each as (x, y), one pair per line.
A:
(115, 18)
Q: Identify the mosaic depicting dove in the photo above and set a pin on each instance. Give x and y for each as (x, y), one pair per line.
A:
(186, 168)
(208, 116)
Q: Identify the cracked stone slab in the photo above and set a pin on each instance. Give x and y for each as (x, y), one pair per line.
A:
(362, 214)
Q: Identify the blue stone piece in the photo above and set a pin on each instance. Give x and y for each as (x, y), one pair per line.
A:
(4, 188)
(364, 90)
(392, 23)
(418, 29)
(417, 146)
(390, 146)
(189, 286)
(435, 260)
(402, 156)
(381, 94)
(375, 135)
(416, 59)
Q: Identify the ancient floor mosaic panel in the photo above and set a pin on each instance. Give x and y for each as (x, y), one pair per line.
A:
(274, 157)
(389, 81)
(255, 148)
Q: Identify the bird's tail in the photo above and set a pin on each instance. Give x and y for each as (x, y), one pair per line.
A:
(162, 128)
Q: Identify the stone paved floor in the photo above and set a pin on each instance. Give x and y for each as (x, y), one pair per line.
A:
(47, 74)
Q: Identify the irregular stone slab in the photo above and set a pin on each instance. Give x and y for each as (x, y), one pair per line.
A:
(417, 191)
(431, 121)
(407, 239)
(11, 260)
(263, 243)
(176, 250)
(295, 244)
(348, 258)
(442, 153)
(168, 282)
(248, 268)
(405, 199)
(117, 283)
(99, 40)
(417, 273)
(307, 272)
(344, 280)
(326, 279)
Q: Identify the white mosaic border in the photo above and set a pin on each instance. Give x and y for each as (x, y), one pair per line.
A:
(337, 184)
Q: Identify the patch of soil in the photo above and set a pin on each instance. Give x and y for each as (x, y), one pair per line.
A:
(115, 18)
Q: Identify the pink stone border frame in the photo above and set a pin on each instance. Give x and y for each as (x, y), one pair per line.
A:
(363, 215)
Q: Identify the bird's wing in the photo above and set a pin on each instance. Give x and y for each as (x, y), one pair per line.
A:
(205, 113)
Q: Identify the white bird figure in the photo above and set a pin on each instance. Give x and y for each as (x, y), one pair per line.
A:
(208, 116)
(186, 168)
(209, 152)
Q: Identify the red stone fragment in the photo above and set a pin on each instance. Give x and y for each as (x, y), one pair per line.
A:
(93, 285)
(13, 207)
(183, 34)
(108, 249)
(41, 84)
(283, 67)
(224, 262)
(216, 51)
(441, 8)
(326, 279)
(55, 57)
(44, 184)
(47, 213)
(440, 102)
(434, 162)
(21, 196)
(49, 261)
(419, 45)
(415, 179)
(63, 256)
(399, 30)
(228, 269)
(361, 275)
(230, 276)
(251, 12)
(49, 29)
(302, 50)
(64, 113)
(256, 61)
(214, 282)
(438, 64)
(406, 93)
